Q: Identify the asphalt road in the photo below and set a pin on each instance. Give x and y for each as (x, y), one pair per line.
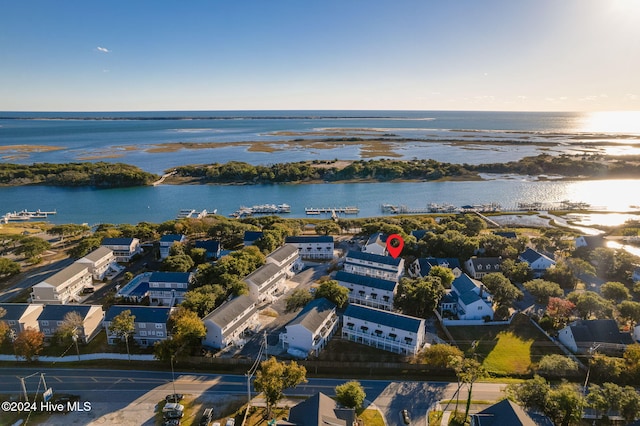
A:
(121, 388)
(34, 277)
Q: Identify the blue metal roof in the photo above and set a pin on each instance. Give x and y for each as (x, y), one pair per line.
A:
(155, 314)
(252, 235)
(57, 312)
(170, 277)
(389, 319)
(370, 257)
(117, 241)
(463, 284)
(13, 311)
(211, 246)
(365, 281)
(309, 239)
(171, 238)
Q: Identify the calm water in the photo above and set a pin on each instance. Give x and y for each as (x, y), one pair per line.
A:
(129, 136)
(157, 204)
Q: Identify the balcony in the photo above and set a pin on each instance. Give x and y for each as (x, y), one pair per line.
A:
(381, 342)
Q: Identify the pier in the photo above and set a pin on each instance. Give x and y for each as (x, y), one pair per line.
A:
(261, 209)
(194, 214)
(25, 215)
(331, 210)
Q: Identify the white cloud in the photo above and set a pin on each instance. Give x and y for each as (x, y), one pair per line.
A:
(103, 49)
(631, 96)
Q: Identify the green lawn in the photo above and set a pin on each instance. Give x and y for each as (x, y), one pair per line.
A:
(505, 350)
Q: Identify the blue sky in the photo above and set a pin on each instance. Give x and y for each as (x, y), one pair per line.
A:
(548, 55)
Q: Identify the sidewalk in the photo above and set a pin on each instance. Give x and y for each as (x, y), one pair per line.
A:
(83, 357)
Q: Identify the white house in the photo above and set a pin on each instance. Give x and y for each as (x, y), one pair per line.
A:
(168, 288)
(537, 261)
(313, 247)
(604, 335)
(421, 266)
(589, 241)
(166, 241)
(285, 258)
(150, 323)
(64, 286)
(123, 248)
(99, 261)
(468, 299)
(635, 276)
(212, 248)
(52, 317)
(20, 316)
(478, 267)
(227, 323)
(265, 281)
(368, 291)
(374, 265)
(311, 329)
(383, 330)
(376, 244)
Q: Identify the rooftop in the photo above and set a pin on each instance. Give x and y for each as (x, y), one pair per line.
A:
(170, 277)
(389, 319)
(151, 314)
(230, 310)
(98, 254)
(60, 278)
(309, 239)
(117, 241)
(14, 311)
(283, 253)
(369, 257)
(263, 273)
(57, 312)
(314, 314)
(365, 281)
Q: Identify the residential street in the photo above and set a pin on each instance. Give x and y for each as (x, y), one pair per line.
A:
(111, 391)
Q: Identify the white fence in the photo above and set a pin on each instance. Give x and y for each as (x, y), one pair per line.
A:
(83, 357)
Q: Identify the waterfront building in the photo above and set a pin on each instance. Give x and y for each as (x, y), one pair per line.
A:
(538, 262)
(420, 267)
(374, 265)
(285, 257)
(168, 288)
(150, 323)
(265, 281)
(212, 248)
(368, 291)
(20, 316)
(228, 322)
(166, 241)
(64, 286)
(250, 237)
(53, 316)
(376, 244)
(311, 329)
(384, 330)
(313, 247)
(478, 267)
(100, 261)
(468, 299)
(123, 248)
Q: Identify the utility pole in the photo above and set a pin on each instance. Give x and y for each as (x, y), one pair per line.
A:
(173, 377)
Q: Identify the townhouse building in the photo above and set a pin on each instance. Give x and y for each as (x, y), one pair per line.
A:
(265, 281)
(374, 265)
(99, 261)
(227, 323)
(64, 286)
(168, 288)
(123, 248)
(384, 330)
(20, 316)
(368, 291)
(311, 329)
(52, 317)
(313, 247)
(150, 323)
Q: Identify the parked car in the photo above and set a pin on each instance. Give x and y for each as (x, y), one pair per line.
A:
(207, 417)
(405, 417)
(174, 397)
(231, 422)
(172, 410)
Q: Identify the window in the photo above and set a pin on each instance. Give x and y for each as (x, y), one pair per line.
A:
(480, 307)
(143, 333)
(374, 296)
(44, 323)
(142, 325)
(159, 326)
(12, 322)
(160, 334)
(46, 331)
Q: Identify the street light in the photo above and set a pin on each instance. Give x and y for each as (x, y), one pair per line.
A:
(173, 377)
(74, 336)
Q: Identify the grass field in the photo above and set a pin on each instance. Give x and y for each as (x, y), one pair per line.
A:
(505, 350)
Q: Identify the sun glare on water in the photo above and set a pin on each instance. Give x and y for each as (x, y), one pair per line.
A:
(625, 122)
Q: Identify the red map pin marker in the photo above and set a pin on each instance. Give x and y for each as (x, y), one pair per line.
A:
(395, 243)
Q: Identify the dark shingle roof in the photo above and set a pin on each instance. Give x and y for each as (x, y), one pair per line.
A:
(117, 241)
(171, 238)
(309, 239)
(389, 319)
(530, 255)
(230, 310)
(370, 257)
(426, 263)
(252, 235)
(320, 410)
(503, 413)
(263, 273)
(464, 283)
(365, 281)
(152, 314)
(211, 246)
(63, 276)
(506, 234)
(378, 238)
(13, 311)
(98, 254)
(283, 253)
(314, 314)
(604, 331)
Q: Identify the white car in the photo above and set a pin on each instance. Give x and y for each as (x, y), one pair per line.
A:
(231, 422)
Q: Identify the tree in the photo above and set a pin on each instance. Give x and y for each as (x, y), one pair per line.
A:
(468, 371)
(187, 327)
(178, 263)
(560, 311)
(615, 291)
(32, 247)
(630, 404)
(69, 229)
(274, 377)
(557, 365)
(516, 272)
(503, 292)
(327, 228)
(8, 267)
(630, 311)
(543, 290)
(297, 299)
(605, 367)
(350, 394)
(631, 357)
(4, 328)
(445, 274)
(531, 393)
(590, 304)
(334, 292)
(419, 296)
(203, 300)
(198, 255)
(70, 328)
(564, 404)
(29, 344)
(562, 274)
(123, 325)
(439, 355)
